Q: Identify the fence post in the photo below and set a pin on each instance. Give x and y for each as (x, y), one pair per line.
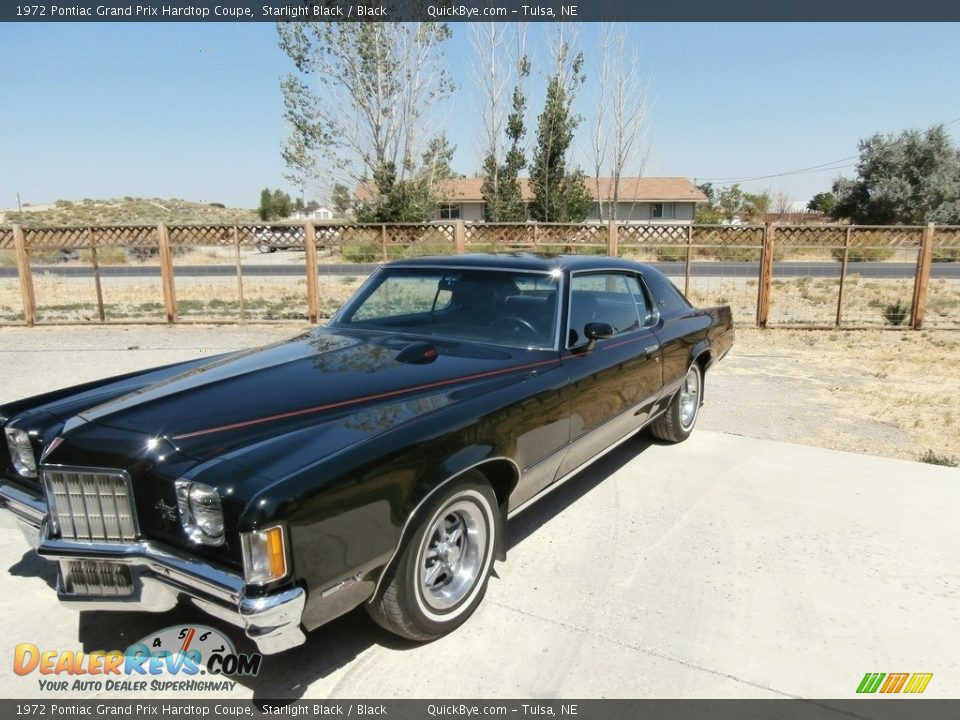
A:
(613, 236)
(166, 273)
(922, 282)
(26, 277)
(766, 274)
(459, 237)
(686, 270)
(383, 242)
(310, 248)
(843, 273)
(236, 258)
(96, 274)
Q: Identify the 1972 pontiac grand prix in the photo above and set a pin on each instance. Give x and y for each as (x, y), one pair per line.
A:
(373, 461)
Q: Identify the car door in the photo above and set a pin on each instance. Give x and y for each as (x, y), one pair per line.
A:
(613, 381)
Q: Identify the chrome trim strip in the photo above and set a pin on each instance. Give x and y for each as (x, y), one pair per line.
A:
(406, 524)
(22, 505)
(557, 483)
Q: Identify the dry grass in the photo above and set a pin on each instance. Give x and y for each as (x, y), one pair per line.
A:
(904, 379)
(141, 298)
(126, 211)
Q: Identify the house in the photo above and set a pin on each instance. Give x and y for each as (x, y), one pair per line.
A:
(320, 213)
(641, 199)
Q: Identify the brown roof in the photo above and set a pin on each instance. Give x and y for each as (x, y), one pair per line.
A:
(632, 189)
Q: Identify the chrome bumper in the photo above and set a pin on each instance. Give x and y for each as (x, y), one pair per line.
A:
(160, 575)
(26, 512)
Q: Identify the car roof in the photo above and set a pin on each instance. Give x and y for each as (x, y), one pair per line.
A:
(521, 261)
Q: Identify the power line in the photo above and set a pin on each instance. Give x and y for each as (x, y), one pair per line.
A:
(832, 165)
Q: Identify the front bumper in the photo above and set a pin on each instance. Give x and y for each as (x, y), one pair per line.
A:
(160, 575)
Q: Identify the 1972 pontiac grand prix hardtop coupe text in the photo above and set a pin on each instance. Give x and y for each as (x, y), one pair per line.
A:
(372, 461)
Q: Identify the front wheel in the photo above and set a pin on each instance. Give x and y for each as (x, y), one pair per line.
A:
(441, 575)
(676, 424)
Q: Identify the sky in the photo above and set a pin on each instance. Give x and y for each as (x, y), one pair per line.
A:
(194, 111)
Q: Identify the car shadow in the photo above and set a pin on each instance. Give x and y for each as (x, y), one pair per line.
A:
(548, 507)
(32, 565)
(287, 676)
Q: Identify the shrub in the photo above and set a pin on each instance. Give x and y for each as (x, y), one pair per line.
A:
(896, 313)
(861, 254)
(932, 458)
(362, 253)
(946, 255)
(672, 253)
(107, 256)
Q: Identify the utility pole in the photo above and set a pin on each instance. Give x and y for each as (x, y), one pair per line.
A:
(19, 207)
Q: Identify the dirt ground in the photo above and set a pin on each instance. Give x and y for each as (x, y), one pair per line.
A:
(881, 392)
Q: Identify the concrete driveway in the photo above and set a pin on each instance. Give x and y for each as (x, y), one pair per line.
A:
(722, 567)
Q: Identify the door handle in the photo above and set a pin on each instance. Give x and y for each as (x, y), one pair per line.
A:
(650, 349)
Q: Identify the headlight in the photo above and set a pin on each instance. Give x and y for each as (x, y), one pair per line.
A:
(264, 555)
(21, 452)
(200, 512)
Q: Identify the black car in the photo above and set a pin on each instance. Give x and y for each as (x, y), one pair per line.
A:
(373, 461)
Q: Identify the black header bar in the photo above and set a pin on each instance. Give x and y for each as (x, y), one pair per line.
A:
(483, 11)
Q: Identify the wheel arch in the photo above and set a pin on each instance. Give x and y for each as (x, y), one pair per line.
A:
(501, 472)
(703, 357)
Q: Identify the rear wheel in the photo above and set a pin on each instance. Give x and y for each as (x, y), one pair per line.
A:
(676, 424)
(442, 572)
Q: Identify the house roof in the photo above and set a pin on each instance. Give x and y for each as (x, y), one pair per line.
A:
(632, 189)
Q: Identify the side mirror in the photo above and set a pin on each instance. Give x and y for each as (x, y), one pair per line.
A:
(598, 331)
(595, 331)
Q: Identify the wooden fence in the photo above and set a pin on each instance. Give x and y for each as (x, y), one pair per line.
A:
(771, 274)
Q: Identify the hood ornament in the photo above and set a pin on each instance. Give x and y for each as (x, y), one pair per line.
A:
(50, 448)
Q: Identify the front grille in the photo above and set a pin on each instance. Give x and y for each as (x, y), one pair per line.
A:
(95, 577)
(91, 504)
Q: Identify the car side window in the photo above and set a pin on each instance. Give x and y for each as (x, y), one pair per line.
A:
(644, 304)
(602, 297)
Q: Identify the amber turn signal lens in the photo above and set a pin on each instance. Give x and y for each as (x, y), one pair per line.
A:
(264, 555)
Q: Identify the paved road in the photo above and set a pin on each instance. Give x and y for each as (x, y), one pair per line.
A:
(702, 269)
(726, 566)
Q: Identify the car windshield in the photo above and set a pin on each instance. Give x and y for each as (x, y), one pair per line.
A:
(518, 309)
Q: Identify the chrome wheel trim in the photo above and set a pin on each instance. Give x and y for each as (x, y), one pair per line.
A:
(453, 555)
(690, 398)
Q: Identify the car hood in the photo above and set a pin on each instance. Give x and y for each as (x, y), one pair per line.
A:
(305, 382)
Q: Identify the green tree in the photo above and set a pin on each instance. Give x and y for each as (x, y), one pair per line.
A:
(265, 211)
(341, 200)
(822, 202)
(361, 103)
(708, 213)
(274, 204)
(729, 204)
(281, 205)
(412, 199)
(912, 178)
(559, 194)
(502, 194)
